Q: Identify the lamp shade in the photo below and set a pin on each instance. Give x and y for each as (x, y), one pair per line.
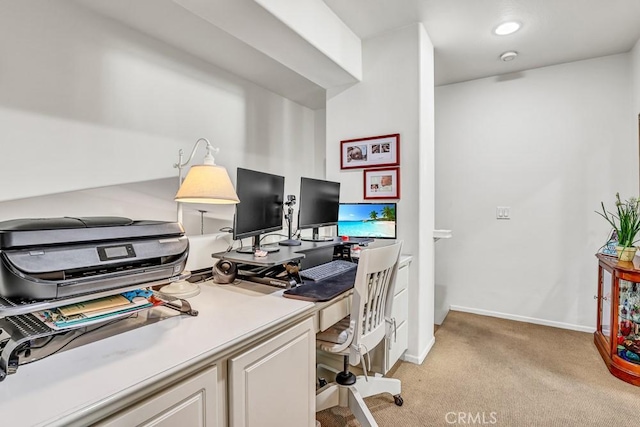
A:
(207, 184)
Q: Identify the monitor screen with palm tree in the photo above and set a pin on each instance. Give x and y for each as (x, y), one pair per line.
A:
(376, 220)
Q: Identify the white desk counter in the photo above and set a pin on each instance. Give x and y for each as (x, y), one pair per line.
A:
(66, 387)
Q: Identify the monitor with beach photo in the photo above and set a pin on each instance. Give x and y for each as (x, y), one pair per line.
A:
(374, 220)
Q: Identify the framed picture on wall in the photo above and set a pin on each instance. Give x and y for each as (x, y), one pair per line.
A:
(370, 152)
(382, 183)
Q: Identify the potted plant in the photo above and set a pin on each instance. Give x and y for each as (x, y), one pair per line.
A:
(626, 225)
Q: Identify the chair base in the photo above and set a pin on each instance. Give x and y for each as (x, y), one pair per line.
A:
(345, 378)
(352, 396)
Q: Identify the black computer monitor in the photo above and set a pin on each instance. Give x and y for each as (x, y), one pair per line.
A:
(260, 209)
(375, 220)
(319, 202)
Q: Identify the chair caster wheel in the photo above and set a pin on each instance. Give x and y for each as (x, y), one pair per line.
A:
(398, 400)
(322, 382)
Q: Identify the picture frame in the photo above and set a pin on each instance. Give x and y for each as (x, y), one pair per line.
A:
(375, 151)
(383, 183)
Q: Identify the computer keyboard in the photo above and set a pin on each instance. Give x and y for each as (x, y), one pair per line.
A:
(325, 271)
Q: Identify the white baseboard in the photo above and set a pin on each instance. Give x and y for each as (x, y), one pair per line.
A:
(419, 359)
(517, 318)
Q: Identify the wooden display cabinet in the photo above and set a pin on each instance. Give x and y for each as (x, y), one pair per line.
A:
(617, 336)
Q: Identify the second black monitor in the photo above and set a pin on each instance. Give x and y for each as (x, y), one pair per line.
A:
(319, 203)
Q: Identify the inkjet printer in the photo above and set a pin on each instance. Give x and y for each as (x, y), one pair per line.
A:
(52, 262)
(54, 258)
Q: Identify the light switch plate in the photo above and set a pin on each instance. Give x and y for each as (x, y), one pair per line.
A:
(503, 212)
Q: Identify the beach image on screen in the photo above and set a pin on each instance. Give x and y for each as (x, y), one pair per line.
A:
(376, 220)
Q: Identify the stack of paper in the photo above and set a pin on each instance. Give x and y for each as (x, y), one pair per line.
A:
(92, 311)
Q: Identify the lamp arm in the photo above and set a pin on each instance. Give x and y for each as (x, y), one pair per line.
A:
(208, 158)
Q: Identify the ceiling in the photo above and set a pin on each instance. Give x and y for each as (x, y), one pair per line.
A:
(553, 31)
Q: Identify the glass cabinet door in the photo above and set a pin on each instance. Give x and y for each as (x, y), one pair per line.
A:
(628, 339)
(605, 304)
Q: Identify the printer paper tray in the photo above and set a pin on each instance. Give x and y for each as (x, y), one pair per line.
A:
(24, 338)
(10, 307)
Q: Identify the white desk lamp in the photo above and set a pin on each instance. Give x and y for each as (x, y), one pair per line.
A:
(205, 183)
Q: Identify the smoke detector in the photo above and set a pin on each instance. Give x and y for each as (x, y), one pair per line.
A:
(509, 56)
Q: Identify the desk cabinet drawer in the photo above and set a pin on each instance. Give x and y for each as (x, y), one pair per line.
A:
(196, 401)
(330, 315)
(399, 346)
(400, 309)
(402, 279)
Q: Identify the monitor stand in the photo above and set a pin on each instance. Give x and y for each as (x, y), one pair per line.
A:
(290, 242)
(289, 216)
(256, 247)
(316, 237)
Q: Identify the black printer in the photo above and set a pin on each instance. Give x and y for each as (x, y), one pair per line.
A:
(52, 258)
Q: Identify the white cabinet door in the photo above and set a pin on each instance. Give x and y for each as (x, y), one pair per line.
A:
(273, 383)
(196, 401)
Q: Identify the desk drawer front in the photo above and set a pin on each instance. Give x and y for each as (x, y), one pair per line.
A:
(397, 348)
(400, 309)
(330, 315)
(402, 279)
(195, 401)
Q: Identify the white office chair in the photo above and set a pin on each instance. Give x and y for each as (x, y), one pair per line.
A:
(356, 335)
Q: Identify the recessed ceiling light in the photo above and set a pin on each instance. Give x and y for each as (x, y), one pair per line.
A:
(507, 28)
(509, 56)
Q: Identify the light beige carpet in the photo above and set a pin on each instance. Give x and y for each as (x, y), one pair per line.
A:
(488, 371)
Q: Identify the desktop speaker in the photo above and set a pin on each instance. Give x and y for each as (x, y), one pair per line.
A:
(224, 271)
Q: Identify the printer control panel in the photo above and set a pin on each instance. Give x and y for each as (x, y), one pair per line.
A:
(108, 253)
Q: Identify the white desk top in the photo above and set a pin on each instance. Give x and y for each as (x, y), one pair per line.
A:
(52, 391)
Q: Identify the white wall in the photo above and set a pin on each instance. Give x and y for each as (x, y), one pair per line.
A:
(395, 96)
(635, 76)
(92, 114)
(551, 143)
(423, 311)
